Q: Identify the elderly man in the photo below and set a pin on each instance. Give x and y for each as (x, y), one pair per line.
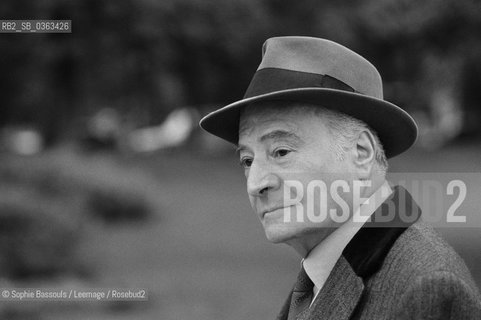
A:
(313, 135)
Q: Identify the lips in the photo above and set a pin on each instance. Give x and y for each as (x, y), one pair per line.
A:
(270, 210)
(264, 212)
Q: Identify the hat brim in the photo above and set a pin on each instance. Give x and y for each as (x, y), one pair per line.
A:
(395, 128)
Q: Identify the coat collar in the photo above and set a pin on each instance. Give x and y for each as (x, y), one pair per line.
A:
(368, 248)
(361, 258)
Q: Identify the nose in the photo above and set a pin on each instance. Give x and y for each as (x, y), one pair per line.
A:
(261, 179)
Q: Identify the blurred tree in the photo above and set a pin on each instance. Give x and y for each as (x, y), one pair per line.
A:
(147, 57)
(425, 50)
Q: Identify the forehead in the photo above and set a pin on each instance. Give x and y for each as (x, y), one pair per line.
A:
(289, 116)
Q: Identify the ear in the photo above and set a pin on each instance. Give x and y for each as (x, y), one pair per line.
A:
(364, 154)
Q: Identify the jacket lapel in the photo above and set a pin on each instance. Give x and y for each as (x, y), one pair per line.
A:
(337, 298)
(339, 295)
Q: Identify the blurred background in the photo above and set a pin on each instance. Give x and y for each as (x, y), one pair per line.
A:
(107, 181)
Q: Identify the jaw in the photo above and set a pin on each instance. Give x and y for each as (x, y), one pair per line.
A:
(301, 238)
(278, 231)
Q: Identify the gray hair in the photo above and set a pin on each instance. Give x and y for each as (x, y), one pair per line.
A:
(345, 130)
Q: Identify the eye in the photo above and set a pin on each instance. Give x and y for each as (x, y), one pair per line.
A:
(245, 162)
(281, 152)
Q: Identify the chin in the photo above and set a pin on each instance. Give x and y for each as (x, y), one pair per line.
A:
(279, 235)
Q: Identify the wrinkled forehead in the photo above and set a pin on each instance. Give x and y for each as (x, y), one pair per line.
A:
(280, 112)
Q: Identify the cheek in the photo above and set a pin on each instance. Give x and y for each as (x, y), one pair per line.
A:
(314, 163)
(246, 174)
(252, 201)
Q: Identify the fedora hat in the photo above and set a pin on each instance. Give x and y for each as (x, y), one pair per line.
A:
(324, 73)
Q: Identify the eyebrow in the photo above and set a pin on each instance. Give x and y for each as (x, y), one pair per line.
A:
(280, 134)
(274, 135)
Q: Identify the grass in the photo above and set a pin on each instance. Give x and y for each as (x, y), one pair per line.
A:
(203, 255)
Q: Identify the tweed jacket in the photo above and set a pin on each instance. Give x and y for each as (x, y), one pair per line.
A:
(401, 270)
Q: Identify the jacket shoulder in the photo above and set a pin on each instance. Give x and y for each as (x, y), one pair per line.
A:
(440, 295)
(421, 250)
(420, 272)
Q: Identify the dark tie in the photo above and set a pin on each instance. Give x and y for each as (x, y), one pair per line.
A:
(301, 295)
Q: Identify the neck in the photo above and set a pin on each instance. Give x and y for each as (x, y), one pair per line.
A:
(304, 244)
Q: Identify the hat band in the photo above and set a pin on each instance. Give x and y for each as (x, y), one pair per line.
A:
(269, 80)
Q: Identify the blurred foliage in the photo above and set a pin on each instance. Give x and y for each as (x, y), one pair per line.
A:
(48, 200)
(38, 238)
(146, 57)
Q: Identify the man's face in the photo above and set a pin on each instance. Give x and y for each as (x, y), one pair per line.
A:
(279, 145)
